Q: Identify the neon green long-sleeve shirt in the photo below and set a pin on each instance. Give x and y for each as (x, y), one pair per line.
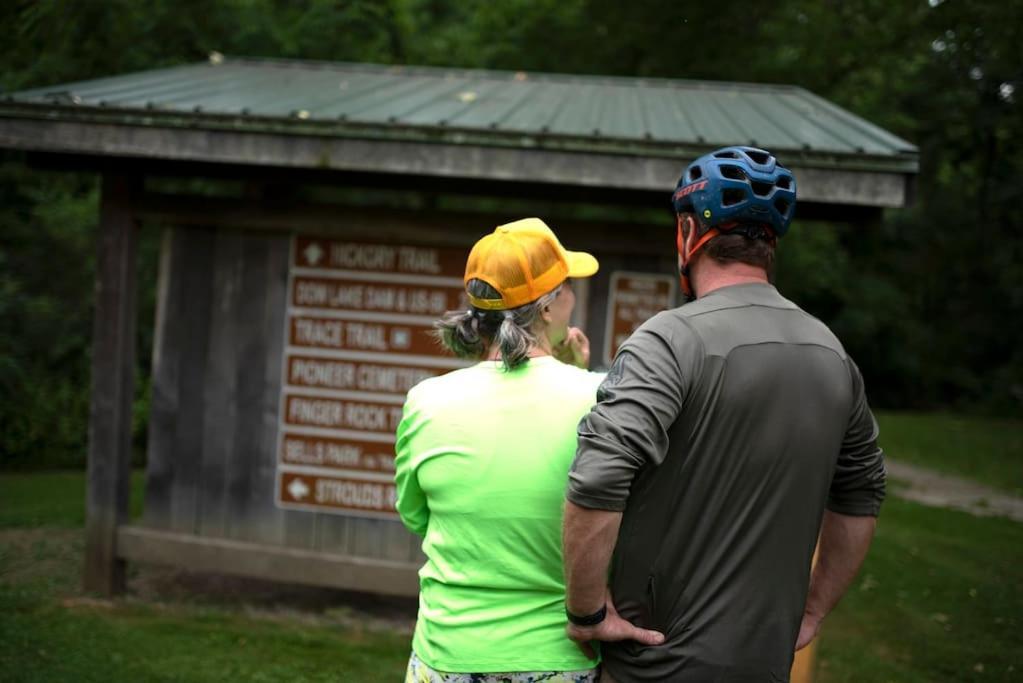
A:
(481, 470)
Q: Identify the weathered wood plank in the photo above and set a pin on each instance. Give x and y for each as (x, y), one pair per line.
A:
(163, 410)
(277, 563)
(886, 186)
(113, 379)
(440, 228)
(196, 268)
(272, 519)
(219, 392)
(244, 502)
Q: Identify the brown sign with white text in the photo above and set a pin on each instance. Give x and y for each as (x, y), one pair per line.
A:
(342, 493)
(634, 298)
(329, 452)
(358, 336)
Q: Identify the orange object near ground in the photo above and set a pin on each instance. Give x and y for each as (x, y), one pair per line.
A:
(805, 663)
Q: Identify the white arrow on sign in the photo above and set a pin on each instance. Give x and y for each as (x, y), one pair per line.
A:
(313, 253)
(298, 489)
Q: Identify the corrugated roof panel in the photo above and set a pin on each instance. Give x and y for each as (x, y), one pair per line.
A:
(377, 104)
(710, 121)
(538, 110)
(454, 104)
(666, 116)
(636, 114)
(158, 89)
(580, 114)
(748, 112)
(495, 106)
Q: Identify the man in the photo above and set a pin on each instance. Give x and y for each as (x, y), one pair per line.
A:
(728, 435)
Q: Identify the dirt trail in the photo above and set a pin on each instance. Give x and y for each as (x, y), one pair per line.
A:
(942, 490)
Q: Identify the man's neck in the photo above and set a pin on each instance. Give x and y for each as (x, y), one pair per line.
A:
(709, 275)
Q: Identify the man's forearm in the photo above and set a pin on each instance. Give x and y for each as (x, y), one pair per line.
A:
(589, 540)
(844, 543)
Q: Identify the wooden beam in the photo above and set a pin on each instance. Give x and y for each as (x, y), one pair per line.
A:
(819, 181)
(275, 563)
(113, 385)
(440, 228)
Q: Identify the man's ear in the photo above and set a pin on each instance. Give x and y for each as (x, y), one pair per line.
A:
(545, 314)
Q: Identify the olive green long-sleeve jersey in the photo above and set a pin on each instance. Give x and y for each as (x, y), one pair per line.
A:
(723, 430)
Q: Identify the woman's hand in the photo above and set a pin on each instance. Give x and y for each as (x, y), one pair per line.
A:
(574, 349)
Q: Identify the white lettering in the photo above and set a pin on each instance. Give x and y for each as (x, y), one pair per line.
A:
(318, 332)
(366, 495)
(415, 260)
(362, 256)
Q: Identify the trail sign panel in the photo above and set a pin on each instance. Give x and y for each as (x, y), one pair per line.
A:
(343, 493)
(634, 298)
(357, 338)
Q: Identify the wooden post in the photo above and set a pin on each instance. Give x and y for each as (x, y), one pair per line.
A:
(113, 385)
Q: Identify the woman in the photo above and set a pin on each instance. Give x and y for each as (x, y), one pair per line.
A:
(482, 464)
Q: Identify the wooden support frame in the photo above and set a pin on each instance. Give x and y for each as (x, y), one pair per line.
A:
(273, 563)
(113, 386)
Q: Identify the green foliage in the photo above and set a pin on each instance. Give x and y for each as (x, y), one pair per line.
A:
(45, 315)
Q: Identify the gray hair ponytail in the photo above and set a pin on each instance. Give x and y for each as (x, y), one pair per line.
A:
(471, 333)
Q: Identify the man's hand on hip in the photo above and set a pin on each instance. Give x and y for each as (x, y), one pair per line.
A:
(612, 628)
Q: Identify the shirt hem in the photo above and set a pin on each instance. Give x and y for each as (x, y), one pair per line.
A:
(501, 667)
(595, 502)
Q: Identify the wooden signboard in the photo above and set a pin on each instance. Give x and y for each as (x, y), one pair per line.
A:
(633, 299)
(357, 338)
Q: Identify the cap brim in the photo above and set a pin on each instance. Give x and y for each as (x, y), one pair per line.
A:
(581, 264)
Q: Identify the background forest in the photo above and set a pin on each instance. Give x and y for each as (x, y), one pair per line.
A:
(929, 302)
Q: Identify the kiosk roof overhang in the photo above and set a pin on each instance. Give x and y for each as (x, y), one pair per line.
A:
(597, 132)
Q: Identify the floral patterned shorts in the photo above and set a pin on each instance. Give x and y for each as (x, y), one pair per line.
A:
(420, 672)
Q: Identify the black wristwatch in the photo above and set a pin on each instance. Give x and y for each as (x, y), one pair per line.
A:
(589, 619)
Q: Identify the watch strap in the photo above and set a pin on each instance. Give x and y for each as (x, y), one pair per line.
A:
(589, 619)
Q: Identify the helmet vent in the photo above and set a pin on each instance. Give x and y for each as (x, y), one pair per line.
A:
(726, 155)
(732, 196)
(784, 182)
(758, 157)
(733, 172)
(781, 205)
(762, 189)
(695, 173)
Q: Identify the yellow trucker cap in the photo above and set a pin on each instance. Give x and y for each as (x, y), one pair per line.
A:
(523, 261)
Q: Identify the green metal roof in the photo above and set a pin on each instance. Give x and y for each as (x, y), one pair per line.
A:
(586, 113)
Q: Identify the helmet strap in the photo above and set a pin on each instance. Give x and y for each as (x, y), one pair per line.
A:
(688, 244)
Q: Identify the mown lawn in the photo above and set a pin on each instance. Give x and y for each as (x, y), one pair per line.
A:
(940, 597)
(50, 631)
(988, 450)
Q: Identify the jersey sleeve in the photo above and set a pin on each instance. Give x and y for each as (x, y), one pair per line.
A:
(627, 429)
(410, 499)
(858, 485)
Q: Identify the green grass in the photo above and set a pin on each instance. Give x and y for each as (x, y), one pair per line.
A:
(987, 450)
(939, 598)
(31, 499)
(50, 631)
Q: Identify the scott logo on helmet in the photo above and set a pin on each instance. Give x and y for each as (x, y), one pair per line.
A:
(689, 189)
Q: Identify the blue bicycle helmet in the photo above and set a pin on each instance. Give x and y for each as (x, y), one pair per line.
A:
(741, 185)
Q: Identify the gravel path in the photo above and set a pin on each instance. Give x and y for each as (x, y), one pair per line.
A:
(942, 490)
